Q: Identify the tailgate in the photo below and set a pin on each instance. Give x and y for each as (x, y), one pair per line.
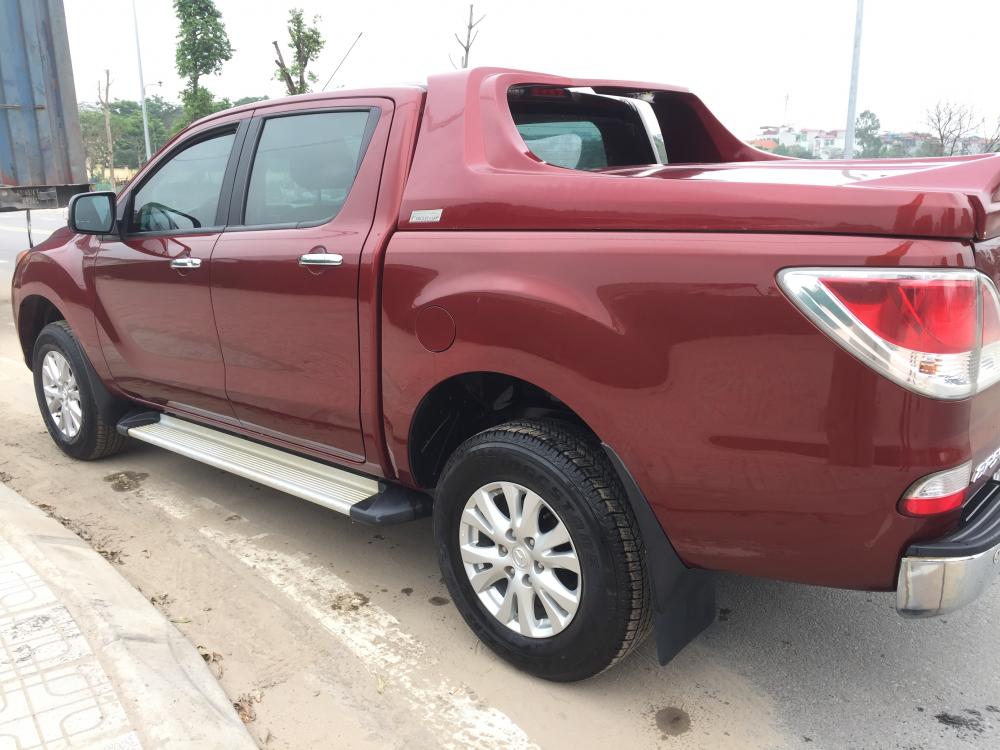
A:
(976, 176)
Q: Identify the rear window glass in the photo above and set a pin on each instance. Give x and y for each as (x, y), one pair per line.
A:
(578, 130)
(568, 142)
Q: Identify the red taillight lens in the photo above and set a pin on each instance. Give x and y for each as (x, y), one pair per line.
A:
(931, 506)
(934, 331)
(937, 493)
(936, 316)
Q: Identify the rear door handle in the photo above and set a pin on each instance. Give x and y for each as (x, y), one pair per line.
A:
(185, 263)
(321, 259)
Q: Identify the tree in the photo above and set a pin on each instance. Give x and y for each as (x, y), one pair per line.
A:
(306, 42)
(469, 39)
(202, 47)
(950, 124)
(868, 131)
(127, 142)
(896, 151)
(248, 100)
(799, 152)
(105, 101)
(95, 142)
(991, 140)
(930, 147)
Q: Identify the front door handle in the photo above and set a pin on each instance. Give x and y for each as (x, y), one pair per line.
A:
(185, 263)
(321, 259)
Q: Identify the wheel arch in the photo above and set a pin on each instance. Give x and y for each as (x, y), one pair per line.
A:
(463, 404)
(34, 313)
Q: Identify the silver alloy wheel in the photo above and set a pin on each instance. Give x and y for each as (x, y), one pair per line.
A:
(520, 559)
(62, 394)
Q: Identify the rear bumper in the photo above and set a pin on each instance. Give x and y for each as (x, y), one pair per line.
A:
(943, 575)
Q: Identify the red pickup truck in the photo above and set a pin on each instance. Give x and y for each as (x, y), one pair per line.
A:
(607, 345)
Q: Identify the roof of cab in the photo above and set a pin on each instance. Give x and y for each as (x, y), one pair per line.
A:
(399, 93)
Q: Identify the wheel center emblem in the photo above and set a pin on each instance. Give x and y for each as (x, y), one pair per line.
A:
(521, 558)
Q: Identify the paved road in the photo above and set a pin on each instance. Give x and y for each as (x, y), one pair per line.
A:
(14, 231)
(334, 633)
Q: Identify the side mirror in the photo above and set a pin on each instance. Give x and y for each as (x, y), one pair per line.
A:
(92, 213)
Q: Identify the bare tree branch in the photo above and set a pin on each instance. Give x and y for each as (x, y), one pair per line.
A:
(283, 69)
(950, 124)
(106, 108)
(470, 38)
(991, 141)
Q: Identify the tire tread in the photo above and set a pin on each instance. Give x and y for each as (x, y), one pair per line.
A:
(576, 453)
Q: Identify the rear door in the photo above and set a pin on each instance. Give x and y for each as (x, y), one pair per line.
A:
(153, 305)
(285, 271)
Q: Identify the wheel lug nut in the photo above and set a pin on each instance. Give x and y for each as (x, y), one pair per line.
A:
(539, 567)
(503, 550)
(530, 542)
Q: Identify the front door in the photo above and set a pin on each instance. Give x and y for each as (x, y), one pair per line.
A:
(285, 272)
(154, 306)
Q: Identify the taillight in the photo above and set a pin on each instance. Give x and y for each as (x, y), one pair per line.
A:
(937, 493)
(936, 332)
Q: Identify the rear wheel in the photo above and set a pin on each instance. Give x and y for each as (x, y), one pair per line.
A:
(540, 550)
(80, 419)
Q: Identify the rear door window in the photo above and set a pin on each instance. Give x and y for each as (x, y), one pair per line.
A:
(304, 167)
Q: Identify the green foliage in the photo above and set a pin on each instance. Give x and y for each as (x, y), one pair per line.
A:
(248, 100)
(199, 103)
(306, 43)
(930, 148)
(95, 144)
(126, 131)
(867, 130)
(896, 151)
(799, 152)
(202, 47)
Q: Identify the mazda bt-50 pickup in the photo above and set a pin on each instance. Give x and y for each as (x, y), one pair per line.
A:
(608, 346)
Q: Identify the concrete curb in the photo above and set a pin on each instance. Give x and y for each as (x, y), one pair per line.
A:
(163, 684)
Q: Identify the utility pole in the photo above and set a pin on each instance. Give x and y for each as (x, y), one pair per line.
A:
(142, 86)
(852, 97)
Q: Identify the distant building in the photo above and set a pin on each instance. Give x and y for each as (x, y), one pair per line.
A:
(829, 144)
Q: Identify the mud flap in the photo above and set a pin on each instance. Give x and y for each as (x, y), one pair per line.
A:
(683, 598)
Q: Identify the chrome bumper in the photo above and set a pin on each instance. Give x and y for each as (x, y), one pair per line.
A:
(930, 586)
(939, 576)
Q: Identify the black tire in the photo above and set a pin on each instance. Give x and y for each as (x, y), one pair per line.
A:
(568, 469)
(100, 411)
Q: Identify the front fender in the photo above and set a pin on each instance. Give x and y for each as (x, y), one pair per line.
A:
(59, 271)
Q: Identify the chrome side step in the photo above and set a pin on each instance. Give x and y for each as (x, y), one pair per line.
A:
(363, 498)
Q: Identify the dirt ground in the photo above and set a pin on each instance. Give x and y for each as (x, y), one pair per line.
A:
(326, 633)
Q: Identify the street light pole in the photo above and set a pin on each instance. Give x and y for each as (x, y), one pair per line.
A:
(852, 97)
(142, 86)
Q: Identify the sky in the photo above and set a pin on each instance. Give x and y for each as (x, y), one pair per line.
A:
(753, 63)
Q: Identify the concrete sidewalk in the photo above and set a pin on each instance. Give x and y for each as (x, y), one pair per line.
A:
(86, 660)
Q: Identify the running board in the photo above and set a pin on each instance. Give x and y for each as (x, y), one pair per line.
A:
(362, 498)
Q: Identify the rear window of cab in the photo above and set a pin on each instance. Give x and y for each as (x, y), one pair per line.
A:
(577, 129)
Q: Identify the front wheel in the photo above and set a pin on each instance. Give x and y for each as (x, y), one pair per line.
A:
(80, 422)
(540, 551)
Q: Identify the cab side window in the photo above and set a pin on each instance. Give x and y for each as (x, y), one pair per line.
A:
(184, 192)
(304, 167)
